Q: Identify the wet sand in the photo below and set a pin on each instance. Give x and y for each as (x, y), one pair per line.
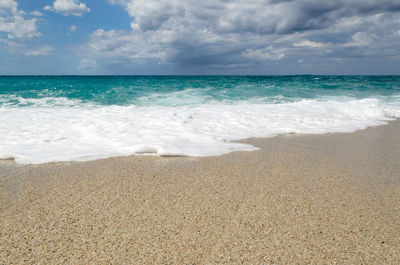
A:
(319, 199)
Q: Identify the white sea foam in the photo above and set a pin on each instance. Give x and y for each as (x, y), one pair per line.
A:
(49, 130)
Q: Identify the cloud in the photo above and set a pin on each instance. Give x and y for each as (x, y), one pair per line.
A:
(68, 7)
(360, 39)
(256, 16)
(17, 27)
(27, 49)
(13, 23)
(37, 13)
(38, 51)
(206, 34)
(73, 28)
(87, 64)
(310, 44)
(8, 6)
(122, 45)
(265, 54)
(18, 33)
(117, 2)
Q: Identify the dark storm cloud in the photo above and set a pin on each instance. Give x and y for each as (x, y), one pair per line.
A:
(287, 17)
(212, 33)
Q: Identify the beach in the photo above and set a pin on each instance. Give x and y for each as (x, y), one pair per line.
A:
(300, 199)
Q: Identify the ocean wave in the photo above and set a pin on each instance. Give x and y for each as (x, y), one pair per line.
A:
(59, 129)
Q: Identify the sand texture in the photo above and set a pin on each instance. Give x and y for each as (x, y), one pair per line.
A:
(308, 199)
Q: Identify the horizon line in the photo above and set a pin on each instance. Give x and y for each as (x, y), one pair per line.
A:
(189, 75)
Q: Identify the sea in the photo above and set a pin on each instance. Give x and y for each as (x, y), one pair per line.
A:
(79, 118)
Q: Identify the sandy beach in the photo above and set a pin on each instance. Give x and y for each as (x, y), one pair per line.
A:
(300, 199)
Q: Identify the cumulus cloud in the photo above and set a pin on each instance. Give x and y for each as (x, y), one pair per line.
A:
(240, 33)
(8, 6)
(119, 44)
(13, 23)
(68, 7)
(17, 32)
(17, 27)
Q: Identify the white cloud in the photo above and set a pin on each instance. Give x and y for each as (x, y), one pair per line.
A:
(13, 23)
(68, 7)
(310, 44)
(17, 27)
(8, 6)
(118, 44)
(37, 13)
(117, 2)
(360, 39)
(73, 28)
(87, 64)
(265, 54)
(18, 30)
(27, 48)
(41, 50)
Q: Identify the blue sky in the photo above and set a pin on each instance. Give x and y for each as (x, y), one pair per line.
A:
(199, 37)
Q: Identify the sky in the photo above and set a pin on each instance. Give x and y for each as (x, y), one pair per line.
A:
(136, 37)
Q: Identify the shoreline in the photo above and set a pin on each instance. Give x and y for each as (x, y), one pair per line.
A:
(12, 161)
(323, 198)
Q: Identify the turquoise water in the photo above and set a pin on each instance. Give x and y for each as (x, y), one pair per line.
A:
(79, 118)
(186, 90)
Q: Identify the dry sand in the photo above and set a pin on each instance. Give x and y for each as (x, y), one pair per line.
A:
(319, 199)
